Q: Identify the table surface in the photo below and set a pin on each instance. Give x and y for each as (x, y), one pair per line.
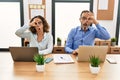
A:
(10, 70)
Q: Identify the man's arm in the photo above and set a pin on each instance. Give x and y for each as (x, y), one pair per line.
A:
(69, 42)
(101, 33)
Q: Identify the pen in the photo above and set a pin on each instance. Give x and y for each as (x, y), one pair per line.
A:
(64, 58)
(61, 57)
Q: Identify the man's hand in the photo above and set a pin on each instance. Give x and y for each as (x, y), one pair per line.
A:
(91, 16)
(75, 52)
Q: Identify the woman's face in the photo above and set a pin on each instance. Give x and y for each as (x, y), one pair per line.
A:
(38, 24)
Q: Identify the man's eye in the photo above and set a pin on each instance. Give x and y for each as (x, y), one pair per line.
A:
(84, 18)
(89, 19)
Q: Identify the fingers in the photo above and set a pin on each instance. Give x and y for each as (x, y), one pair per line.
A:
(92, 18)
(74, 52)
(32, 24)
(90, 14)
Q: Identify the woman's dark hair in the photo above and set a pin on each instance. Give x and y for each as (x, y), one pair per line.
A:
(44, 22)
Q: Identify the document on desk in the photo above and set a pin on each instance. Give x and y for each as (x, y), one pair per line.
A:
(62, 58)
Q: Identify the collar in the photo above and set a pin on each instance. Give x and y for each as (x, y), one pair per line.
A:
(80, 28)
(45, 35)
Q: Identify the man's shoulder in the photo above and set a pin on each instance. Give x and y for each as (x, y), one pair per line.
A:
(76, 28)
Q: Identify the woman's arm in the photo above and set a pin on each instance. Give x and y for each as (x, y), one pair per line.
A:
(22, 32)
(49, 46)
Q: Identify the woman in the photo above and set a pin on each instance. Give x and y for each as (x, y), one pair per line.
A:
(38, 34)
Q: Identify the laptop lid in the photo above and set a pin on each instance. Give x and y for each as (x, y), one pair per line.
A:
(85, 51)
(23, 53)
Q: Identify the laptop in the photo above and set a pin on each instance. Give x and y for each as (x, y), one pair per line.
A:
(84, 52)
(24, 54)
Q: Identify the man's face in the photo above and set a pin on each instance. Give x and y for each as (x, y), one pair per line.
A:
(86, 20)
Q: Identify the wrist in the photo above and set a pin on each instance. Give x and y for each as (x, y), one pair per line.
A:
(95, 22)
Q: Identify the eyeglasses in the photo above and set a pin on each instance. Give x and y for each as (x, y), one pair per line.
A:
(85, 18)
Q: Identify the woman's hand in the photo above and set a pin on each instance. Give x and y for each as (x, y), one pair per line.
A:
(32, 24)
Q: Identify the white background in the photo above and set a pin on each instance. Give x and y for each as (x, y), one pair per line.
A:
(67, 17)
(9, 23)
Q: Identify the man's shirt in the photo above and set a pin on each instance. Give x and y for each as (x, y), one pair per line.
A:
(78, 37)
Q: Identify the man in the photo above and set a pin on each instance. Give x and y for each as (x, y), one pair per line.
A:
(86, 33)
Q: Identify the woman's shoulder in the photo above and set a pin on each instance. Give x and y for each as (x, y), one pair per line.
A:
(48, 34)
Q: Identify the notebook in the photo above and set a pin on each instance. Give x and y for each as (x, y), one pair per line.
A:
(62, 58)
(23, 53)
(85, 51)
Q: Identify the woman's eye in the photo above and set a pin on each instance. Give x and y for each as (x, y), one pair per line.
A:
(35, 23)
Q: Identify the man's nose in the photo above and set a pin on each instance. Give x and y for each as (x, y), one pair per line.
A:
(86, 20)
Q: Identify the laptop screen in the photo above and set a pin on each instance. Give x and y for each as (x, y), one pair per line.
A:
(23, 53)
(85, 52)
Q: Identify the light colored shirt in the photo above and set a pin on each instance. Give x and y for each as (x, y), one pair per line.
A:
(78, 37)
(45, 46)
